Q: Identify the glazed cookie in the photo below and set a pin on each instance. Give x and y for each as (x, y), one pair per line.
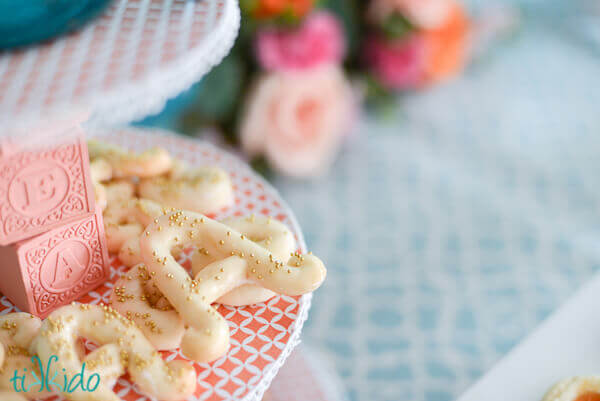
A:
(153, 162)
(164, 328)
(100, 170)
(17, 334)
(581, 388)
(207, 335)
(268, 233)
(119, 191)
(130, 253)
(125, 220)
(203, 190)
(135, 298)
(116, 335)
(100, 195)
(120, 225)
(178, 169)
(6, 396)
(20, 334)
(143, 211)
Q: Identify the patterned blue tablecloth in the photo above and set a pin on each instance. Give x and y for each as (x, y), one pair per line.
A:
(453, 230)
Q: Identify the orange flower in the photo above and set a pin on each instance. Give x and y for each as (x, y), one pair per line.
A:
(446, 46)
(274, 8)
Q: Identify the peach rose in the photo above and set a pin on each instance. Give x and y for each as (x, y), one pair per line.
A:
(427, 14)
(297, 119)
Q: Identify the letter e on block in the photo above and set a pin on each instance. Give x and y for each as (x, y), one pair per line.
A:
(43, 188)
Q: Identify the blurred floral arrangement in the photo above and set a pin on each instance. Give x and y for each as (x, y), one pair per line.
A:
(291, 88)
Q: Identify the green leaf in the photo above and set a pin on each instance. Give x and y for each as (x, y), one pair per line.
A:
(248, 6)
(350, 14)
(220, 89)
(397, 26)
(262, 167)
(377, 96)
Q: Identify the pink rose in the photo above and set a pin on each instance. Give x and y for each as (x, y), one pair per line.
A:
(297, 119)
(428, 14)
(319, 40)
(398, 64)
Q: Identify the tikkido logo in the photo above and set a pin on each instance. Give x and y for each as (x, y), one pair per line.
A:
(45, 383)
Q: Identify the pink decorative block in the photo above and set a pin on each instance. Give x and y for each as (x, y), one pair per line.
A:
(44, 272)
(43, 188)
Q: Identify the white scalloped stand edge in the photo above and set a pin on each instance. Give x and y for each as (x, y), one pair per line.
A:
(256, 393)
(148, 97)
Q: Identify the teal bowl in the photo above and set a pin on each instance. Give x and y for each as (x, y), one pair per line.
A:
(25, 22)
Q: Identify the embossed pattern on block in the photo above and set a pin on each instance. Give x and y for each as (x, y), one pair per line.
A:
(42, 189)
(57, 267)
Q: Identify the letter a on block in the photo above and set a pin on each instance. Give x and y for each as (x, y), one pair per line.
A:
(66, 264)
